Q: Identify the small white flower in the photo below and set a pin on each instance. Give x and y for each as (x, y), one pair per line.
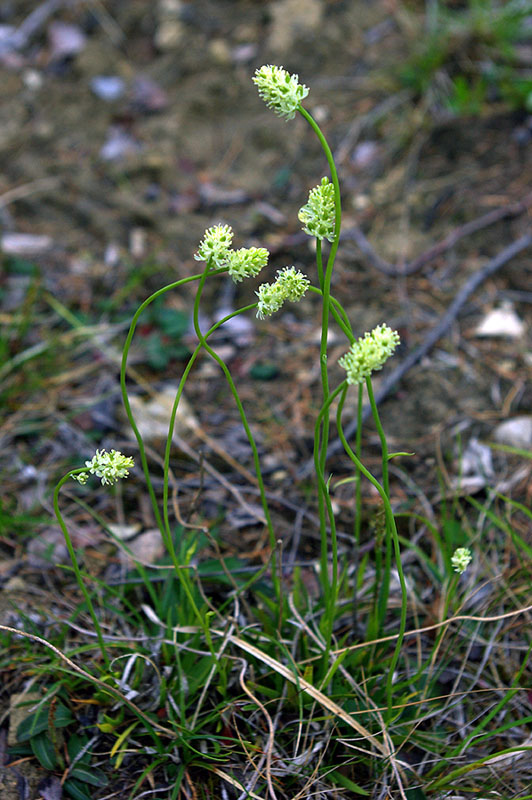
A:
(214, 245)
(280, 91)
(369, 353)
(81, 477)
(110, 467)
(461, 559)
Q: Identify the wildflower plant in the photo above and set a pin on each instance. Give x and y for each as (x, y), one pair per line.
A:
(365, 355)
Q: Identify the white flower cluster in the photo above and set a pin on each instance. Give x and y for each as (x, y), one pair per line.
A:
(369, 353)
(318, 215)
(280, 90)
(110, 467)
(461, 559)
(290, 285)
(215, 247)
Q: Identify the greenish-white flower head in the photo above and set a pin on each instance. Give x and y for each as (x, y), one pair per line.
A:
(271, 298)
(280, 90)
(318, 215)
(246, 262)
(214, 245)
(461, 559)
(289, 285)
(110, 467)
(292, 283)
(369, 353)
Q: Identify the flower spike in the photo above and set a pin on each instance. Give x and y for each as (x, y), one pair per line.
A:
(110, 467)
(215, 244)
(246, 262)
(318, 215)
(290, 285)
(280, 90)
(369, 353)
(461, 559)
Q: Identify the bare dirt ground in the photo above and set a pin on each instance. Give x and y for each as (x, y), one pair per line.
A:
(121, 146)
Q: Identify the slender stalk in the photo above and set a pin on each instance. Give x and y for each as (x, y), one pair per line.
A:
(75, 565)
(390, 521)
(319, 263)
(358, 502)
(385, 582)
(256, 459)
(330, 586)
(123, 387)
(325, 285)
(163, 524)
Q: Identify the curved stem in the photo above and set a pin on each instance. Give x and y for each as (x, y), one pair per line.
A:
(256, 460)
(325, 283)
(390, 522)
(180, 388)
(75, 565)
(385, 583)
(339, 314)
(330, 587)
(123, 386)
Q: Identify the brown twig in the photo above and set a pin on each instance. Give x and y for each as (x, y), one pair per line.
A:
(366, 248)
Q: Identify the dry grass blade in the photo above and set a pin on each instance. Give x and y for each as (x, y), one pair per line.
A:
(271, 731)
(301, 683)
(311, 690)
(92, 679)
(415, 631)
(224, 776)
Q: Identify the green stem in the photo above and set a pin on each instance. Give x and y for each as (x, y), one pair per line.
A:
(385, 582)
(325, 284)
(358, 502)
(75, 565)
(319, 263)
(123, 386)
(180, 388)
(256, 459)
(358, 474)
(390, 522)
(330, 587)
(164, 526)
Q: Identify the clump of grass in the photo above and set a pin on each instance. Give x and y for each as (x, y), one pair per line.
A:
(208, 678)
(468, 56)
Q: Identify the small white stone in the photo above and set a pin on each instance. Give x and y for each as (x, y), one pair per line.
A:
(516, 432)
(501, 321)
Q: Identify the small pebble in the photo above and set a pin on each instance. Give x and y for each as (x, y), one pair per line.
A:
(108, 87)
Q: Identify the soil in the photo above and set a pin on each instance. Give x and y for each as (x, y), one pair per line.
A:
(124, 188)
